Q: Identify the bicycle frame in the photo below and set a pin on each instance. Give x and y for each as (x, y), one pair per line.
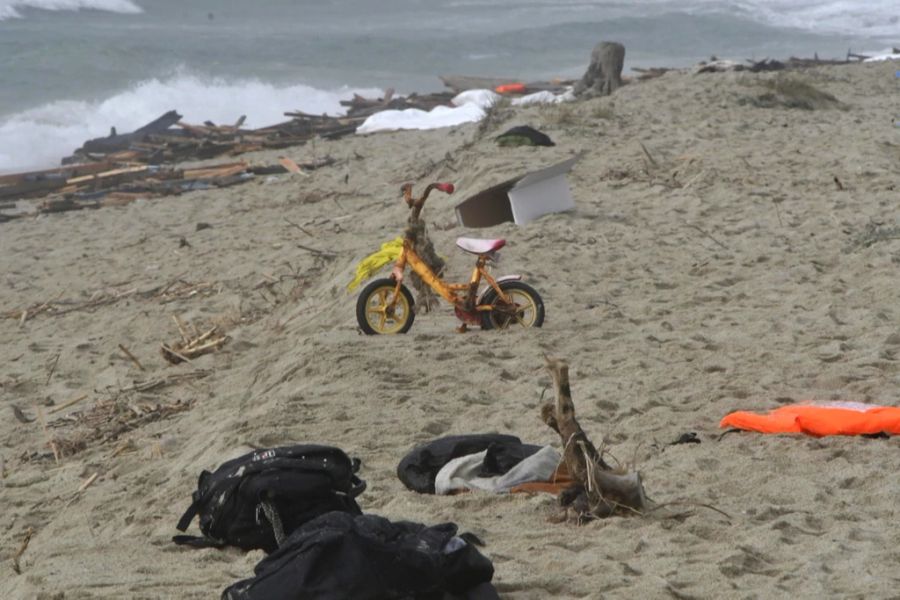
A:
(461, 295)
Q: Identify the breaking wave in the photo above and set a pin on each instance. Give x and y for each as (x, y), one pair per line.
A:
(8, 8)
(38, 138)
(872, 18)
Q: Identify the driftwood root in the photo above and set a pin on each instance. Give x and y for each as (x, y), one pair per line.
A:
(599, 490)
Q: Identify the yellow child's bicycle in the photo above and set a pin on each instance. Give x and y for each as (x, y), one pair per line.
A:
(385, 306)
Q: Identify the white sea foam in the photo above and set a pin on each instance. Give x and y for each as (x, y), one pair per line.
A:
(8, 8)
(868, 18)
(40, 137)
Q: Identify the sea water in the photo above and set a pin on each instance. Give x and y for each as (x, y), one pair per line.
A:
(71, 69)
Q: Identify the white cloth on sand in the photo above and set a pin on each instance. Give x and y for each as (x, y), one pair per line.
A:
(462, 473)
(468, 107)
(886, 54)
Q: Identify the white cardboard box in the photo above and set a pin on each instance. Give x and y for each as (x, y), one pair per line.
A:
(521, 200)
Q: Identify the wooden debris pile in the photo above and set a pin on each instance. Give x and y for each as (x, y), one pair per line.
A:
(715, 65)
(97, 185)
(769, 64)
(120, 168)
(193, 344)
(168, 139)
(105, 421)
(179, 289)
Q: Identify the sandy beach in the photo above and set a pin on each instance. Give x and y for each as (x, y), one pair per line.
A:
(728, 271)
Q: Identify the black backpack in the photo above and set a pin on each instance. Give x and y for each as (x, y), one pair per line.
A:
(257, 500)
(344, 557)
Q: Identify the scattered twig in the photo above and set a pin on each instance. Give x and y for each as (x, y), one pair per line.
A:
(146, 386)
(66, 405)
(693, 179)
(180, 325)
(872, 234)
(55, 307)
(192, 346)
(837, 182)
(708, 235)
(50, 441)
(317, 252)
(289, 222)
(22, 547)
(170, 354)
(127, 446)
(132, 357)
(53, 368)
(693, 504)
(647, 154)
(87, 482)
(84, 485)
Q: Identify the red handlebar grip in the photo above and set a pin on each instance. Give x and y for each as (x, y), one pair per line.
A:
(445, 187)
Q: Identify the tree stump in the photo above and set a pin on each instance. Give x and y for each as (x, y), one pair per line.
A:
(604, 74)
(599, 490)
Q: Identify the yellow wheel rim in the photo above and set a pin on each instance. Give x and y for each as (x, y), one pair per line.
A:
(524, 313)
(383, 314)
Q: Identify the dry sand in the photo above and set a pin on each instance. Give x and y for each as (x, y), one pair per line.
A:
(727, 278)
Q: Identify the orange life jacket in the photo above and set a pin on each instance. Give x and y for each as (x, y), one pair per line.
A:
(820, 419)
(510, 88)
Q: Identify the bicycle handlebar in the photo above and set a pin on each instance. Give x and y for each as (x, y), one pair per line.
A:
(417, 203)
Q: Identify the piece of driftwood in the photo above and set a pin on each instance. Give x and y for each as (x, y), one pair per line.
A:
(417, 232)
(131, 357)
(114, 142)
(67, 404)
(650, 73)
(192, 344)
(62, 173)
(600, 491)
(604, 73)
(154, 384)
(22, 547)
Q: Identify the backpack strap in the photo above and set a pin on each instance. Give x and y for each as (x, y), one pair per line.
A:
(357, 486)
(197, 499)
(196, 542)
(271, 513)
(188, 516)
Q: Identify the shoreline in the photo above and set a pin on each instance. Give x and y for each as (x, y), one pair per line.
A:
(247, 92)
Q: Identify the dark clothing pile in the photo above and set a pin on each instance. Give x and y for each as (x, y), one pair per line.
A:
(418, 469)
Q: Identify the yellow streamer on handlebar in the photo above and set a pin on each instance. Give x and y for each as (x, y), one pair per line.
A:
(390, 251)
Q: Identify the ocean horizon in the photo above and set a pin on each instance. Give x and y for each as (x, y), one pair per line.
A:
(72, 69)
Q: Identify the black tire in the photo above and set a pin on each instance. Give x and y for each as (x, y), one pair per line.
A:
(500, 319)
(381, 290)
